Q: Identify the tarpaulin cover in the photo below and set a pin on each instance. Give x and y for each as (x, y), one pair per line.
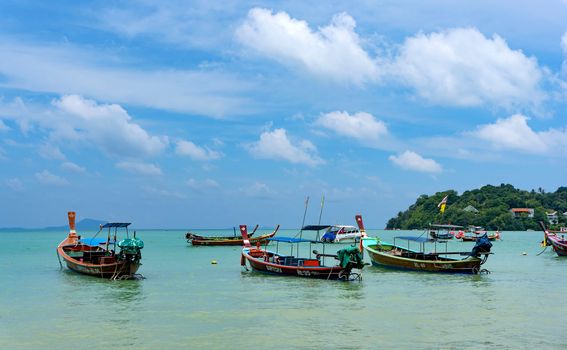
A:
(350, 255)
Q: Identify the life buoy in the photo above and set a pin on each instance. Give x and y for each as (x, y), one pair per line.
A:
(460, 235)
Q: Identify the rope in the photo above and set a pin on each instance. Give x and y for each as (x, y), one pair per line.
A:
(58, 258)
(544, 249)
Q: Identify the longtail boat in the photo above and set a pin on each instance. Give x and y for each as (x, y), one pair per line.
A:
(557, 241)
(273, 262)
(227, 240)
(476, 232)
(264, 260)
(97, 256)
(438, 231)
(403, 257)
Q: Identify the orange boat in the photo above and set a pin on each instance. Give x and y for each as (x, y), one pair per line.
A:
(97, 256)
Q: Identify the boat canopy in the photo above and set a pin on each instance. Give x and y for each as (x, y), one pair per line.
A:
(94, 241)
(116, 224)
(415, 239)
(315, 227)
(445, 226)
(291, 240)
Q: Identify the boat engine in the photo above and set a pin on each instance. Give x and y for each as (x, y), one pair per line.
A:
(482, 245)
(130, 250)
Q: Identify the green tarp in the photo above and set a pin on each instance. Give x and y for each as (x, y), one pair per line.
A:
(352, 255)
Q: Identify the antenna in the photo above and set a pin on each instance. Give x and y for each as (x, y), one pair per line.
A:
(304, 214)
(322, 205)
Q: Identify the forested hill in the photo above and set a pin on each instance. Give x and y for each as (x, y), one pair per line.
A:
(488, 206)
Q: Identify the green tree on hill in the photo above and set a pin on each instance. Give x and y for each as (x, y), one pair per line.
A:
(493, 205)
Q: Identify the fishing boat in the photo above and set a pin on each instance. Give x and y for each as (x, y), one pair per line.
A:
(443, 232)
(97, 256)
(195, 239)
(474, 232)
(263, 260)
(400, 256)
(556, 239)
(335, 233)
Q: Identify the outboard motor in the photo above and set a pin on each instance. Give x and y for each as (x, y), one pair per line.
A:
(130, 249)
(482, 245)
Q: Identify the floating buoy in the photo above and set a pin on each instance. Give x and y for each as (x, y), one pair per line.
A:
(214, 262)
(524, 253)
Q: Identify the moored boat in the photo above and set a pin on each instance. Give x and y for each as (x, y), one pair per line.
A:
(273, 262)
(195, 239)
(556, 239)
(336, 233)
(446, 232)
(396, 256)
(475, 232)
(97, 256)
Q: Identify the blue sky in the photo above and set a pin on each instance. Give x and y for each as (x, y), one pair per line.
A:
(196, 114)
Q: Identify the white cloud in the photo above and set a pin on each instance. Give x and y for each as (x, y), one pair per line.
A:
(139, 168)
(412, 161)
(188, 148)
(200, 185)
(361, 126)
(98, 74)
(47, 178)
(514, 133)
(108, 126)
(462, 67)
(564, 47)
(70, 166)
(15, 184)
(333, 51)
(72, 120)
(49, 151)
(276, 145)
(3, 126)
(258, 190)
(163, 193)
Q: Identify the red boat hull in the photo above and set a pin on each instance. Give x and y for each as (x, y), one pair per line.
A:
(559, 244)
(258, 259)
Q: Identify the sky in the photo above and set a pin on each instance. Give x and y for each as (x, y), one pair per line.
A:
(203, 114)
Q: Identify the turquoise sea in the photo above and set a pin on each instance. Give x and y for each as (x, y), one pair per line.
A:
(187, 302)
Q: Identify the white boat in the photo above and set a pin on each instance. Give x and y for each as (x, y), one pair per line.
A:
(335, 233)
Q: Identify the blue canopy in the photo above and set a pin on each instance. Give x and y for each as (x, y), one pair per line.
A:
(315, 227)
(94, 241)
(291, 240)
(415, 239)
(116, 224)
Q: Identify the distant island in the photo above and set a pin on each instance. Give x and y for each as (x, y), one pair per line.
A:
(492, 207)
(82, 225)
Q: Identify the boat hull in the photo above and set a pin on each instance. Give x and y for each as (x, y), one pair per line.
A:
(258, 263)
(382, 255)
(113, 269)
(211, 241)
(474, 238)
(236, 241)
(559, 244)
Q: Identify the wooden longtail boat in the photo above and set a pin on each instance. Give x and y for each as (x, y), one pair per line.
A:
(437, 231)
(227, 240)
(97, 256)
(263, 260)
(557, 241)
(395, 256)
(473, 238)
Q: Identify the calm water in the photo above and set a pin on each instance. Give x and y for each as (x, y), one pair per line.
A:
(187, 302)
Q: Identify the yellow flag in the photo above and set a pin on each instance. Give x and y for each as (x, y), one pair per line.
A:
(442, 204)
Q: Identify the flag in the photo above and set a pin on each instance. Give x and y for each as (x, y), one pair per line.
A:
(442, 204)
